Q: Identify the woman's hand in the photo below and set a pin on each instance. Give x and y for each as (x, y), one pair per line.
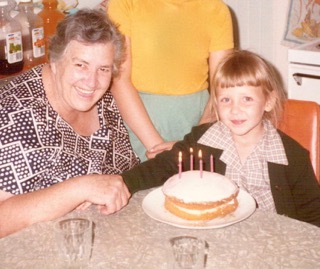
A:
(83, 206)
(109, 192)
(151, 153)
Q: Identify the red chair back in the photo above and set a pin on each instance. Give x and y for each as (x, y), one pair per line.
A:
(301, 121)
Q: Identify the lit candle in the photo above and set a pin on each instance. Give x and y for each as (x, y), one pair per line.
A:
(211, 164)
(191, 159)
(180, 163)
(200, 162)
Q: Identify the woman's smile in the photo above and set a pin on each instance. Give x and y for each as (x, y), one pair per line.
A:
(85, 92)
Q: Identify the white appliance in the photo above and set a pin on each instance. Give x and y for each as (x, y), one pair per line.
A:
(304, 72)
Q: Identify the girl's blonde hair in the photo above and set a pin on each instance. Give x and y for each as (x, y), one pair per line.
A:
(245, 68)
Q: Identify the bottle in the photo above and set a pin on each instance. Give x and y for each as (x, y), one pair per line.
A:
(51, 16)
(32, 34)
(11, 51)
(37, 6)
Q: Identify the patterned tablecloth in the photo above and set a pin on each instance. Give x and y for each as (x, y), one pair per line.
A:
(131, 239)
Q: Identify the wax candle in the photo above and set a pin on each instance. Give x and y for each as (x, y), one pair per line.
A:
(191, 159)
(211, 164)
(180, 163)
(200, 162)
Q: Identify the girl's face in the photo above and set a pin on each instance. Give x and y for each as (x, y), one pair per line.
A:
(241, 109)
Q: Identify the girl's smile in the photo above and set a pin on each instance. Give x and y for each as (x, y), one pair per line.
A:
(241, 109)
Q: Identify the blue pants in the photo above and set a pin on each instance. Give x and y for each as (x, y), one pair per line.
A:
(172, 115)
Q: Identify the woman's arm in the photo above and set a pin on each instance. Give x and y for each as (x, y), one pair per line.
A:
(131, 106)
(20, 211)
(214, 58)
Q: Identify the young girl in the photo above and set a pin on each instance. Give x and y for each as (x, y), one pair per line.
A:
(276, 170)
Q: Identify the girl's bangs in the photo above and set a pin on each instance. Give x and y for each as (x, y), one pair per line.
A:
(238, 77)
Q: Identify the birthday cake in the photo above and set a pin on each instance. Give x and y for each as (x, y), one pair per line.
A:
(194, 197)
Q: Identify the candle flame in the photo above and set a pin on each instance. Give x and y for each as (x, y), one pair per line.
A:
(200, 154)
(180, 156)
(191, 150)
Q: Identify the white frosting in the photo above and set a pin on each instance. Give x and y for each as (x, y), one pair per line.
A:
(191, 188)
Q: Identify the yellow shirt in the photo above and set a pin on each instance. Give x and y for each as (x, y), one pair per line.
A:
(171, 41)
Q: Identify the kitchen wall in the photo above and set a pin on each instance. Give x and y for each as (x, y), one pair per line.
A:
(260, 26)
(280, 53)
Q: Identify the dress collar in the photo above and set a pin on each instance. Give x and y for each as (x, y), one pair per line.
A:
(219, 136)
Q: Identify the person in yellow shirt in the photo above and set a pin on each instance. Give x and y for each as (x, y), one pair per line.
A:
(173, 47)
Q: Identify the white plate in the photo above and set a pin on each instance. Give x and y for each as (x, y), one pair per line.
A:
(153, 206)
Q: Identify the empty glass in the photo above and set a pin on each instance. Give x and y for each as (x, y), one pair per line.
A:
(187, 252)
(74, 239)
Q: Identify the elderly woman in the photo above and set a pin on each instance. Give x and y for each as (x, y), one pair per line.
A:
(61, 131)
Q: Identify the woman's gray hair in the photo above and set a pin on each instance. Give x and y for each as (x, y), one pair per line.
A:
(88, 26)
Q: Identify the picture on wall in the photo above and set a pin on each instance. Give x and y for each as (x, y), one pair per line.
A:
(303, 23)
(70, 6)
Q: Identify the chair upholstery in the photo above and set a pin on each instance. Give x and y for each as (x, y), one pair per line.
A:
(301, 121)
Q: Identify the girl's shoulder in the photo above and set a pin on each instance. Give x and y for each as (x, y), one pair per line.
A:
(288, 141)
(294, 150)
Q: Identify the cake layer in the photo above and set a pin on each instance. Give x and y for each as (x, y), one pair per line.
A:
(202, 214)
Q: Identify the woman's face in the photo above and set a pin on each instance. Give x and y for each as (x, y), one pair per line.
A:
(82, 75)
(241, 109)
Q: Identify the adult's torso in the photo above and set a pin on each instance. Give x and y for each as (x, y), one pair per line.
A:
(38, 148)
(171, 41)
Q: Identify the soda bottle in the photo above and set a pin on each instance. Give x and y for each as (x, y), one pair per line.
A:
(51, 16)
(11, 51)
(32, 34)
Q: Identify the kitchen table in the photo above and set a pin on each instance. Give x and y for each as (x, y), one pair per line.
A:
(131, 239)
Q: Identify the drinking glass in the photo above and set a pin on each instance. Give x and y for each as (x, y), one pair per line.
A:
(74, 240)
(187, 252)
